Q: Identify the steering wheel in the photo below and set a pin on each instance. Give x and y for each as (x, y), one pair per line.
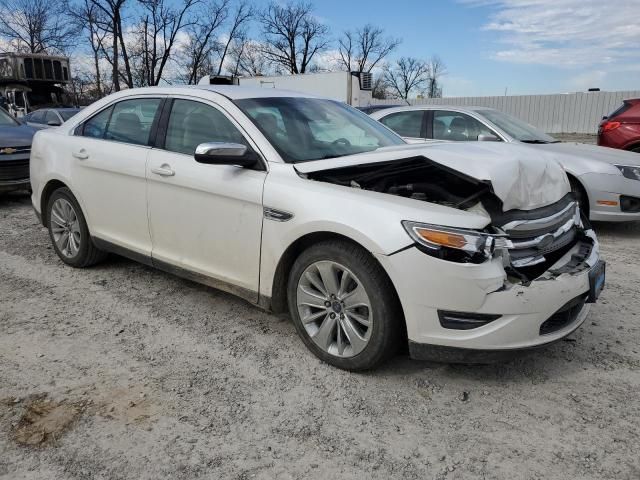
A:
(342, 141)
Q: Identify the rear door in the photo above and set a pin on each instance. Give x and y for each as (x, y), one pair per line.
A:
(204, 218)
(108, 155)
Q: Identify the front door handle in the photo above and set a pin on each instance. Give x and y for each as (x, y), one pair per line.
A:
(164, 171)
(81, 154)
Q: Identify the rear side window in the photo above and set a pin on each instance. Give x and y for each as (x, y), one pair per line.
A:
(37, 117)
(405, 124)
(192, 123)
(51, 117)
(128, 121)
(620, 110)
(131, 121)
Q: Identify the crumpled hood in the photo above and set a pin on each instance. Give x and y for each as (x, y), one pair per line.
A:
(522, 177)
(582, 150)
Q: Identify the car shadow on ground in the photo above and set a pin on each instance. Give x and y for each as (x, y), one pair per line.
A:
(620, 229)
(12, 198)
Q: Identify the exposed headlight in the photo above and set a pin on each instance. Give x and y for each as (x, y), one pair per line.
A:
(630, 171)
(452, 244)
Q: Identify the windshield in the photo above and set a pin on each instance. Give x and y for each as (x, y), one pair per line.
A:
(516, 128)
(67, 114)
(6, 119)
(305, 129)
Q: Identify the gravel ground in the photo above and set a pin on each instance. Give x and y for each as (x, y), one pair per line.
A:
(124, 372)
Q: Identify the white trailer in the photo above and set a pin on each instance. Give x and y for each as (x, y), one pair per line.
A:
(353, 88)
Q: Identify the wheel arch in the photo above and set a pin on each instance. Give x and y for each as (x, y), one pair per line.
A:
(50, 187)
(574, 180)
(633, 145)
(278, 303)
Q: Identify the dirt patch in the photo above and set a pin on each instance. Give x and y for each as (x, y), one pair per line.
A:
(44, 421)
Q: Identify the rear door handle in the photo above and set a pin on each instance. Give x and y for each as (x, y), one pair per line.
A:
(164, 171)
(81, 154)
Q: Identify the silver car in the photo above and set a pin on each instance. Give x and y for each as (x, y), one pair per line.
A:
(605, 181)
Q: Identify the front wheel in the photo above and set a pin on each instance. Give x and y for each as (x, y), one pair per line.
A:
(344, 306)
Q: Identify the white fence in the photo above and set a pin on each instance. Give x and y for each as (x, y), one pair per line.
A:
(559, 113)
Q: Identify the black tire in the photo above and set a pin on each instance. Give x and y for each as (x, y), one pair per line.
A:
(636, 149)
(581, 196)
(387, 319)
(88, 254)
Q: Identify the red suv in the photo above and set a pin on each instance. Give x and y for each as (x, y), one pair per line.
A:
(621, 129)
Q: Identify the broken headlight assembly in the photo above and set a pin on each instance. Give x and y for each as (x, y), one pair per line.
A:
(453, 244)
(630, 171)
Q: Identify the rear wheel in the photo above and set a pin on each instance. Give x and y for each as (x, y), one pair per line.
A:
(69, 232)
(636, 149)
(344, 306)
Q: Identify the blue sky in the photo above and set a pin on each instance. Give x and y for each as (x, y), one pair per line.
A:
(525, 46)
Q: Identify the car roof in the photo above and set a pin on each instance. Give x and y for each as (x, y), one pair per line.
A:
(235, 92)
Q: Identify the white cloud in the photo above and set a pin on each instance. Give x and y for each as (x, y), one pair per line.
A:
(566, 33)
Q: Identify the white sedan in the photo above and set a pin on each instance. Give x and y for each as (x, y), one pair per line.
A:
(307, 205)
(606, 181)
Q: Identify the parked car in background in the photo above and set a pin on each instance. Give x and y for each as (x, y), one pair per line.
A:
(621, 129)
(605, 181)
(49, 117)
(15, 148)
(308, 204)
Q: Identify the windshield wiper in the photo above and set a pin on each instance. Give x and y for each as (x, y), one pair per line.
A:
(535, 141)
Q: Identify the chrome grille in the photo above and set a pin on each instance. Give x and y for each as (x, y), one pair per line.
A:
(528, 241)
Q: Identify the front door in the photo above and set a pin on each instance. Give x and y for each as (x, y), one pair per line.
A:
(206, 219)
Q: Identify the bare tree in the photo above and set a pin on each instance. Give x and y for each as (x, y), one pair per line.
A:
(112, 23)
(437, 69)
(292, 36)
(380, 88)
(156, 35)
(87, 18)
(406, 76)
(202, 42)
(245, 58)
(35, 26)
(242, 15)
(361, 50)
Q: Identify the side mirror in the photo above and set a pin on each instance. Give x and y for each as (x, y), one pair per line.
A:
(53, 123)
(487, 138)
(223, 153)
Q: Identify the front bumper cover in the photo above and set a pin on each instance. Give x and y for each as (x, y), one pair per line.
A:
(426, 285)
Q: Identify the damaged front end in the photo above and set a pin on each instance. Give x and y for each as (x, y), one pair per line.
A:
(529, 241)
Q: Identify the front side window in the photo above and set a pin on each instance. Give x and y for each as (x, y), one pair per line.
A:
(192, 123)
(305, 129)
(458, 127)
(406, 124)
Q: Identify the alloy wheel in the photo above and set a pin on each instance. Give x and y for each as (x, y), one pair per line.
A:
(334, 308)
(65, 227)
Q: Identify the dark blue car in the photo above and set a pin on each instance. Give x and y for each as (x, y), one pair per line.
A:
(15, 148)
